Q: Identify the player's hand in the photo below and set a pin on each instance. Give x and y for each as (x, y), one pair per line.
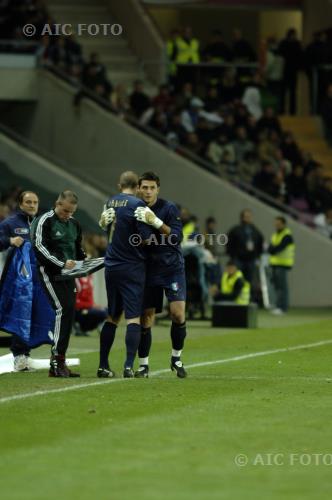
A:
(145, 214)
(106, 217)
(70, 264)
(16, 241)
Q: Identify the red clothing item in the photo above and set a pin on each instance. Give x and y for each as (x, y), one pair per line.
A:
(84, 296)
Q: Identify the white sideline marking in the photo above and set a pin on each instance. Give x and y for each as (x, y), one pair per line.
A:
(16, 397)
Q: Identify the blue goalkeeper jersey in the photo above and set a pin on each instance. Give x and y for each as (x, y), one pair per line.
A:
(165, 256)
(126, 234)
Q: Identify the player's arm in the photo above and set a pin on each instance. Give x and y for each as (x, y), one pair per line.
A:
(6, 240)
(274, 249)
(173, 226)
(238, 285)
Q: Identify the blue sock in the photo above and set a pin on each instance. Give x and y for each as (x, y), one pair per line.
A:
(145, 343)
(133, 336)
(107, 336)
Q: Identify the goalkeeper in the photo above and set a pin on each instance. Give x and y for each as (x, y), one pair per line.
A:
(165, 272)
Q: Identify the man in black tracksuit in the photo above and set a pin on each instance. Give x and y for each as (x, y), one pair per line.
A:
(57, 238)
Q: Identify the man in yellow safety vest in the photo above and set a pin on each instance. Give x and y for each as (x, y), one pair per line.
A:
(233, 286)
(282, 255)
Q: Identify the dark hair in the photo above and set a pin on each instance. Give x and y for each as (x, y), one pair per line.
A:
(69, 196)
(149, 176)
(21, 196)
(210, 220)
(282, 219)
(231, 263)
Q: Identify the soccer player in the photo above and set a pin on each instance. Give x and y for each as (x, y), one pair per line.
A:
(165, 272)
(125, 266)
(57, 239)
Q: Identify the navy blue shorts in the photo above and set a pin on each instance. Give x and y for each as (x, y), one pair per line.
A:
(125, 292)
(174, 287)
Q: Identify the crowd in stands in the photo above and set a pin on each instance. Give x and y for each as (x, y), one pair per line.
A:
(230, 119)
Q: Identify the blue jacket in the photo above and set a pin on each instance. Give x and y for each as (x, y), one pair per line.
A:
(17, 224)
(25, 309)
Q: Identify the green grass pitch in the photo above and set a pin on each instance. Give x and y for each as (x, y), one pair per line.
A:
(166, 438)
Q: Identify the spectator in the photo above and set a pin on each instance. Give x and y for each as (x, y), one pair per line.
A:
(242, 145)
(248, 167)
(99, 68)
(94, 77)
(217, 50)
(184, 96)
(267, 146)
(323, 223)
(252, 98)
(245, 245)
(264, 178)
(163, 100)
(290, 149)
(324, 195)
(119, 99)
(296, 185)
(139, 101)
(212, 100)
(189, 226)
(291, 50)
(221, 152)
(229, 87)
(282, 254)
(242, 50)
(190, 116)
(269, 121)
(172, 53)
(194, 144)
(188, 51)
(274, 70)
(233, 287)
(316, 53)
(315, 181)
(178, 131)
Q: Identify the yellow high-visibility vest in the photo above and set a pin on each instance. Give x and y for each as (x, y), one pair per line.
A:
(227, 287)
(187, 230)
(287, 256)
(187, 51)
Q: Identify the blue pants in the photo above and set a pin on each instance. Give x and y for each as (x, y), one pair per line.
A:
(280, 284)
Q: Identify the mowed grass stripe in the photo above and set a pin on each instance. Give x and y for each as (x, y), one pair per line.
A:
(27, 395)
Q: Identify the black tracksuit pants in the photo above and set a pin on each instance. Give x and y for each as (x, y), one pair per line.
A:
(62, 297)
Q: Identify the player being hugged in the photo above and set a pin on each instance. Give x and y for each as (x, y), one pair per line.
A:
(165, 272)
(125, 266)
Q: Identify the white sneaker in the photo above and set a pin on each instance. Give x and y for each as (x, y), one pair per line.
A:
(21, 363)
(277, 312)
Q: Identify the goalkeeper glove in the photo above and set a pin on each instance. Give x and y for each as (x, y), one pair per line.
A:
(106, 217)
(144, 214)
